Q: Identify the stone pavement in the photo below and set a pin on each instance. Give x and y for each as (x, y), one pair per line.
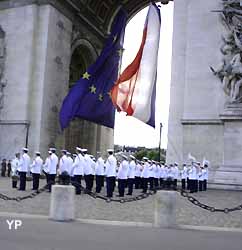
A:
(138, 211)
(41, 234)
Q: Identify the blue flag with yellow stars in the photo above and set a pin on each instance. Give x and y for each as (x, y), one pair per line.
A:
(90, 97)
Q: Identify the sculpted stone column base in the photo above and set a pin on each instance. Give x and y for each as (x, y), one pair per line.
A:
(62, 204)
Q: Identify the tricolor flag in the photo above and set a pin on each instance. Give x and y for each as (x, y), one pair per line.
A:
(135, 90)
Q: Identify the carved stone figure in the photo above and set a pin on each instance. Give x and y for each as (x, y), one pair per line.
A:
(2, 64)
(230, 70)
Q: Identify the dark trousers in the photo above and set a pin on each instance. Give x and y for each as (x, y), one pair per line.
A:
(175, 184)
(51, 181)
(145, 184)
(205, 185)
(193, 184)
(200, 185)
(121, 187)
(188, 183)
(196, 186)
(151, 181)
(137, 182)
(35, 181)
(77, 183)
(14, 184)
(64, 179)
(89, 181)
(99, 183)
(169, 183)
(156, 182)
(183, 184)
(110, 182)
(161, 182)
(130, 185)
(22, 180)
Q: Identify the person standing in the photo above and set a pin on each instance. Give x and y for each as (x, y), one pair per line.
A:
(36, 167)
(151, 173)
(9, 168)
(64, 168)
(137, 177)
(156, 175)
(99, 172)
(175, 175)
(184, 176)
(192, 177)
(205, 176)
(131, 174)
(145, 174)
(122, 175)
(88, 170)
(111, 165)
(52, 168)
(77, 169)
(23, 168)
(4, 167)
(14, 168)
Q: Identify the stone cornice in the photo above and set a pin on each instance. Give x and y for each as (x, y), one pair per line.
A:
(201, 122)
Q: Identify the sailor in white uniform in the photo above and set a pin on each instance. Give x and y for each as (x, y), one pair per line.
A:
(14, 168)
(64, 168)
(23, 168)
(145, 174)
(122, 175)
(131, 174)
(36, 168)
(99, 172)
(111, 166)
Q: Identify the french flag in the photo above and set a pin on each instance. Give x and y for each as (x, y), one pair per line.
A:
(135, 90)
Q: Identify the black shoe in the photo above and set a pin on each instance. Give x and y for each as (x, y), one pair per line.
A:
(128, 194)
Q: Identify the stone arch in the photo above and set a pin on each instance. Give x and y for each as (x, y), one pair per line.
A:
(80, 132)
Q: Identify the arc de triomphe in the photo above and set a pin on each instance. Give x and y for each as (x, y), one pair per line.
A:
(45, 46)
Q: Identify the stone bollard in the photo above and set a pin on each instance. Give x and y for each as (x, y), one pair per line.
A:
(165, 209)
(62, 204)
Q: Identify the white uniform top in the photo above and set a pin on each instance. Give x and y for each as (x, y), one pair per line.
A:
(14, 166)
(99, 166)
(162, 172)
(138, 170)
(123, 170)
(64, 164)
(111, 165)
(175, 171)
(78, 165)
(52, 163)
(200, 175)
(37, 165)
(145, 171)
(24, 163)
(169, 173)
(131, 170)
(70, 164)
(184, 172)
(151, 170)
(89, 166)
(206, 174)
(192, 173)
(157, 171)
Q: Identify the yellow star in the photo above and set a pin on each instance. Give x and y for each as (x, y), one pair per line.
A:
(86, 76)
(120, 51)
(93, 89)
(115, 38)
(100, 97)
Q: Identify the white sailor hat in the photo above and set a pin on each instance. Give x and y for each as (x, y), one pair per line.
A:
(110, 150)
(132, 157)
(74, 155)
(84, 150)
(78, 148)
(49, 151)
(68, 153)
(145, 159)
(176, 164)
(37, 152)
(25, 149)
(64, 150)
(52, 149)
(125, 157)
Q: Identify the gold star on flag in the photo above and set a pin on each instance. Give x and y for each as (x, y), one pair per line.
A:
(86, 76)
(120, 51)
(100, 97)
(115, 38)
(93, 89)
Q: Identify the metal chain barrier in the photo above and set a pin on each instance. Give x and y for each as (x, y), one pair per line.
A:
(20, 198)
(120, 200)
(196, 202)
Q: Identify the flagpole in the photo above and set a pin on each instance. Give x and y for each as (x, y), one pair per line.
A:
(160, 141)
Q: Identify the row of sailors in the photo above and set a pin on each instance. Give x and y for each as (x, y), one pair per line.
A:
(135, 172)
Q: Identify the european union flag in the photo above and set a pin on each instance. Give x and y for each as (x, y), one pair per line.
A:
(90, 97)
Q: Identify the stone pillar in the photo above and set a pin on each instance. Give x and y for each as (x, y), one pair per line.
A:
(62, 204)
(165, 209)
